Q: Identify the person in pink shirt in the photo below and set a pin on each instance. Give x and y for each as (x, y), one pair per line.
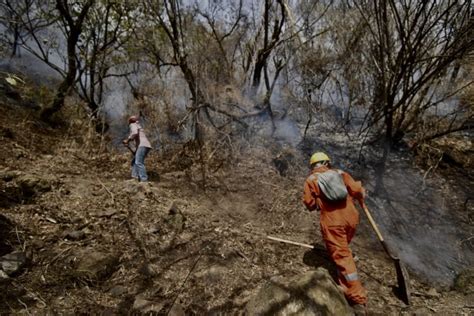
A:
(143, 147)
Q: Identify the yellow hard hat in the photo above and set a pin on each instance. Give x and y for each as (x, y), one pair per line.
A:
(317, 157)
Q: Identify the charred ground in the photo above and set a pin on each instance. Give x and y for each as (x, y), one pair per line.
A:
(97, 242)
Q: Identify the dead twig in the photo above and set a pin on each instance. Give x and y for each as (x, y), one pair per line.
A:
(431, 168)
(24, 305)
(23, 246)
(465, 240)
(108, 191)
(184, 282)
(36, 296)
(56, 258)
(135, 238)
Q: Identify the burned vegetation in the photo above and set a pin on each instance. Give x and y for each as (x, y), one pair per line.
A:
(235, 96)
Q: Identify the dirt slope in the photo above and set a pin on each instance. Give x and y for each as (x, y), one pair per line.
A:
(100, 243)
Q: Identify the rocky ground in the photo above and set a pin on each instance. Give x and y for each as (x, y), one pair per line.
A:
(78, 237)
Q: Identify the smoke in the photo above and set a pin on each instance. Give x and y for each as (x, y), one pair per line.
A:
(419, 214)
(116, 99)
(29, 66)
(287, 131)
(115, 105)
(27, 61)
(415, 213)
(419, 218)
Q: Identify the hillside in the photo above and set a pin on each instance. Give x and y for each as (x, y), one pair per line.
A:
(98, 243)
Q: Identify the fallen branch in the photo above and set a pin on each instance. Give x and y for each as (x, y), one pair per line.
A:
(290, 242)
(108, 191)
(180, 290)
(56, 258)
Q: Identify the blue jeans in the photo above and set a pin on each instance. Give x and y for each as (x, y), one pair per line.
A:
(138, 164)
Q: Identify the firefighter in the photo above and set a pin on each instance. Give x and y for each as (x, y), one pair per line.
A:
(338, 222)
(142, 145)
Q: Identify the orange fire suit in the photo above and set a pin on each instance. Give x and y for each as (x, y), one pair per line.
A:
(338, 222)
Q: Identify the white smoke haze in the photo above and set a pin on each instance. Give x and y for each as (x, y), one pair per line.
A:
(415, 213)
(116, 99)
(418, 215)
(27, 62)
(30, 67)
(428, 249)
(418, 224)
(412, 211)
(159, 96)
(115, 106)
(287, 132)
(414, 217)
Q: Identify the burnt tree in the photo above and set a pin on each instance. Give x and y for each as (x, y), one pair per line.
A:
(73, 28)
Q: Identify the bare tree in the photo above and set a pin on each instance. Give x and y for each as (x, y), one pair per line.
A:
(222, 34)
(272, 31)
(101, 50)
(22, 21)
(11, 11)
(413, 46)
(73, 23)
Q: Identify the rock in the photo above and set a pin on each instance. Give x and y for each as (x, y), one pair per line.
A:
(51, 220)
(432, 292)
(215, 273)
(75, 235)
(6, 132)
(154, 230)
(31, 104)
(107, 213)
(464, 282)
(65, 303)
(283, 161)
(7, 235)
(421, 311)
(118, 291)
(93, 265)
(176, 219)
(13, 262)
(176, 310)
(173, 208)
(138, 188)
(468, 299)
(108, 311)
(359, 310)
(8, 175)
(149, 270)
(10, 92)
(145, 306)
(3, 276)
(313, 293)
(32, 185)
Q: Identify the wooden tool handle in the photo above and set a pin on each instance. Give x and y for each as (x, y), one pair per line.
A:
(372, 223)
(378, 233)
(290, 242)
(131, 150)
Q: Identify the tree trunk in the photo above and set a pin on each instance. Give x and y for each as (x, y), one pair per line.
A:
(257, 74)
(262, 53)
(73, 31)
(68, 82)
